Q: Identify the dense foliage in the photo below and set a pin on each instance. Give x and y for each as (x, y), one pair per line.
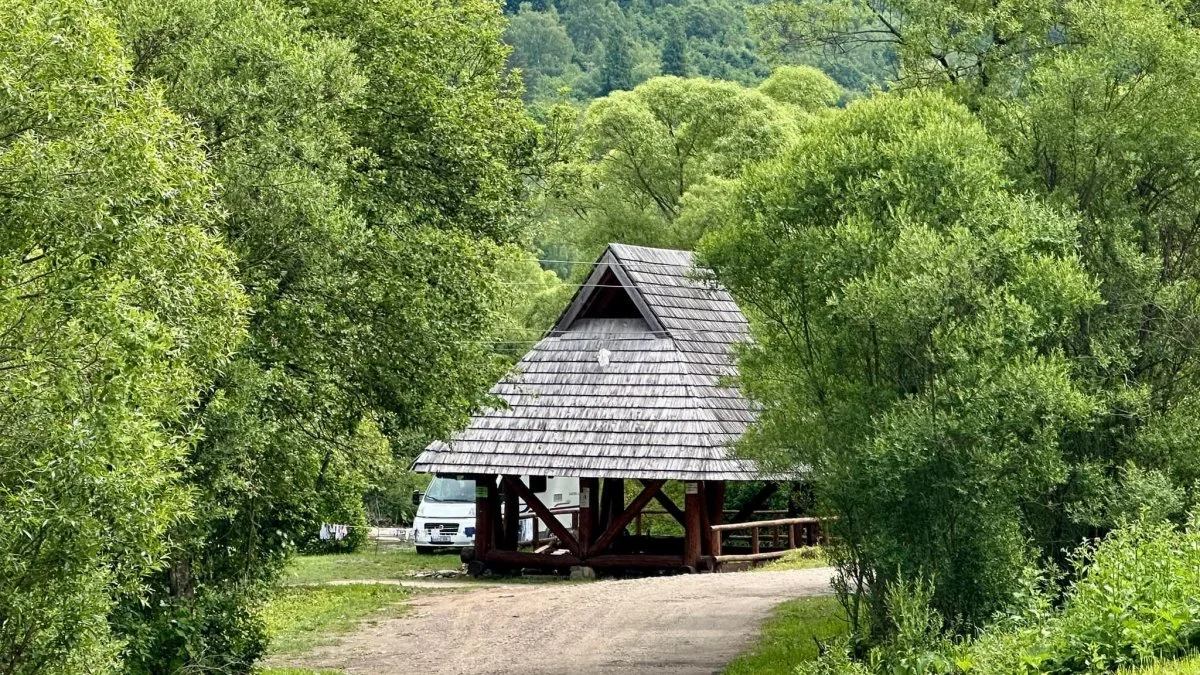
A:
(337, 193)
(640, 158)
(975, 296)
(1133, 602)
(118, 307)
(577, 50)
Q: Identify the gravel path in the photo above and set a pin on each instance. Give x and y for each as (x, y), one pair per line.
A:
(683, 624)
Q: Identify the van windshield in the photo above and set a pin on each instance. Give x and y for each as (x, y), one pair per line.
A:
(450, 490)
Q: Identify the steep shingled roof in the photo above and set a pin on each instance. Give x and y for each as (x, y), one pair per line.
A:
(626, 385)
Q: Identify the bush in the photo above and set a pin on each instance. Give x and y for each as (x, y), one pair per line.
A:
(1134, 601)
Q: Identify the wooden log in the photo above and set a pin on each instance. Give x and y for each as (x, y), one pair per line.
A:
(525, 559)
(636, 560)
(755, 503)
(549, 561)
(791, 532)
(512, 520)
(693, 506)
(752, 557)
(754, 540)
(621, 520)
(485, 491)
(564, 535)
(589, 514)
(764, 523)
(665, 501)
(612, 501)
(714, 494)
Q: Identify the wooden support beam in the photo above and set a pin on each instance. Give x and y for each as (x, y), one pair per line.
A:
(693, 507)
(715, 497)
(621, 520)
(755, 503)
(754, 541)
(564, 535)
(705, 531)
(485, 501)
(525, 559)
(612, 501)
(589, 513)
(665, 501)
(549, 561)
(512, 520)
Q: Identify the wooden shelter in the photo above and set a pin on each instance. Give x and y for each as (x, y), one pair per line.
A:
(627, 386)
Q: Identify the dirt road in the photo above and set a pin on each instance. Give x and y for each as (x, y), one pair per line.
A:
(678, 625)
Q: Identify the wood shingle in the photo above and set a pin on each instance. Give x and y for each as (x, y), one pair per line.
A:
(628, 384)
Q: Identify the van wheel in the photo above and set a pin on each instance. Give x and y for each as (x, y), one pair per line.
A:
(425, 550)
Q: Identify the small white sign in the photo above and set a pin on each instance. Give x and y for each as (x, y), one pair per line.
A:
(691, 488)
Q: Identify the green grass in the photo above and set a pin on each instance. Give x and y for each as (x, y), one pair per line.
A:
(788, 638)
(365, 565)
(299, 618)
(1188, 666)
(799, 559)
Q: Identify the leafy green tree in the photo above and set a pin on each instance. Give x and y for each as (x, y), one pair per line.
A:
(118, 306)
(541, 47)
(802, 86)
(912, 318)
(644, 150)
(373, 159)
(1095, 106)
(616, 74)
(674, 52)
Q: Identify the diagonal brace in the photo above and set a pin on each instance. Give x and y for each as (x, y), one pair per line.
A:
(635, 507)
(515, 484)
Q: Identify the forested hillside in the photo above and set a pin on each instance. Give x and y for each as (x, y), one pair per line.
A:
(577, 50)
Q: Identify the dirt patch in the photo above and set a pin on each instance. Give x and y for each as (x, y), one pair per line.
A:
(685, 624)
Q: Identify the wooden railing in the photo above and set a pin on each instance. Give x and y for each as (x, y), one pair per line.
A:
(805, 531)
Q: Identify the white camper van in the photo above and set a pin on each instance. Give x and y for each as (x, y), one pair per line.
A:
(446, 512)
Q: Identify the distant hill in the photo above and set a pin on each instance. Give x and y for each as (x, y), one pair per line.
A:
(577, 50)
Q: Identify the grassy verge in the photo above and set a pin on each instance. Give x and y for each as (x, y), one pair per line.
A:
(300, 618)
(387, 564)
(1189, 666)
(296, 671)
(799, 559)
(789, 637)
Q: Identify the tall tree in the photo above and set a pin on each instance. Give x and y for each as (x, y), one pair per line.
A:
(616, 73)
(674, 52)
(645, 154)
(1095, 108)
(118, 306)
(371, 157)
(909, 344)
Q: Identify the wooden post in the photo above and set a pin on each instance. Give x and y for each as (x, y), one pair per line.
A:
(693, 505)
(589, 513)
(754, 540)
(613, 501)
(512, 523)
(791, 531)
(715, 496)
(535, 539)
(485, 501)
